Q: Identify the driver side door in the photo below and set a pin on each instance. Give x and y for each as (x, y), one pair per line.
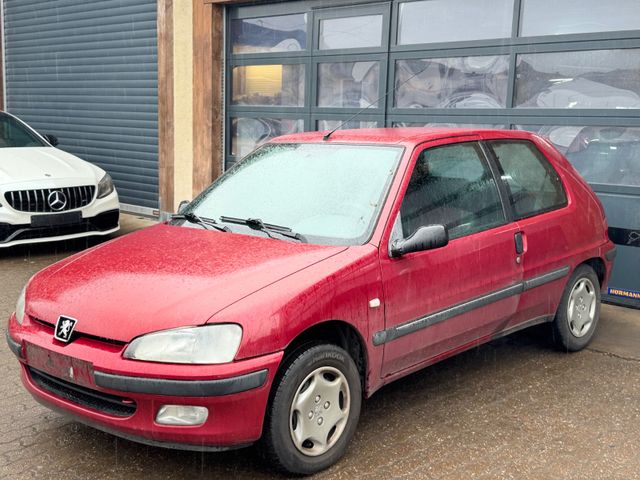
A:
(447, 299)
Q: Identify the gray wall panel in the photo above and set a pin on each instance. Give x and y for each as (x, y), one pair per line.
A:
(86, 71)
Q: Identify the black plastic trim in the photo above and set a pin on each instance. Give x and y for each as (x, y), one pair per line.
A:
(100, 223)
(545, 278)
(610, 256)
(14, 346)
(182, 388)
(398, 331)
(99, 401)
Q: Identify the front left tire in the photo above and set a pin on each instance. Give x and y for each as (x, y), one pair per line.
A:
(314, 410)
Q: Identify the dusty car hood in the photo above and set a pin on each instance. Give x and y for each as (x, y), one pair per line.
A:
(37, 163)
(163, 277)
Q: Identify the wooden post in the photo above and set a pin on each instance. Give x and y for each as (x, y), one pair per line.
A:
(165, 105)
(207, 94)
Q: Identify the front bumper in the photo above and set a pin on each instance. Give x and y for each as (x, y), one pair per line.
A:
(123, 397)
(100, 217)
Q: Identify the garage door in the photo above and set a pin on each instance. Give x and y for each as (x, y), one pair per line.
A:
(86, 71)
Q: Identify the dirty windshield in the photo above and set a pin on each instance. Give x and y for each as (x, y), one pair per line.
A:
(330, 194)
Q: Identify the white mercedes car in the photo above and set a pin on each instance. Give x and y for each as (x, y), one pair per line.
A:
(47, 194)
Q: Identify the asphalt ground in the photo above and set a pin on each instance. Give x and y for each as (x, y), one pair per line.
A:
(512, 409)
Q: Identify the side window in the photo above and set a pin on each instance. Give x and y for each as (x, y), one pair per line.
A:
(453, 186)
(534, 186)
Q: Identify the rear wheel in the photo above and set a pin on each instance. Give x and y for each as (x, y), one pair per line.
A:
(314, 410)
(579, 311)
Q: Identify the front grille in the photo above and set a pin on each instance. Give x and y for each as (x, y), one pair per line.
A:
(93, 399)
(37, 201)
(50, 326)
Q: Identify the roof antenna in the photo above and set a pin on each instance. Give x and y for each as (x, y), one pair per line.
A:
(327, 135)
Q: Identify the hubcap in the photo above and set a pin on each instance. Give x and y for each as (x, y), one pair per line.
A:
(319, 411)
(581, 310)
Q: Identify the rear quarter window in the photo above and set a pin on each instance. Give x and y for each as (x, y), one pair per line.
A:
(533, 184)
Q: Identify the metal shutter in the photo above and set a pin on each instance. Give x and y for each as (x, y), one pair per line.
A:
(86, 71)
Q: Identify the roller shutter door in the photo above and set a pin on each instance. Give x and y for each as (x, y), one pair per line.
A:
(86, 71)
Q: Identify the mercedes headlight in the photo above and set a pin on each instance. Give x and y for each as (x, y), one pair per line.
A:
(105, 187)
(209, 344)
(20, 305)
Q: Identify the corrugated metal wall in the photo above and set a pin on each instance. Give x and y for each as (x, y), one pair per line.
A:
(86, 71)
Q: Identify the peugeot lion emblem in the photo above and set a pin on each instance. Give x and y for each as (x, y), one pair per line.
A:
(57, 200)
(64, 328)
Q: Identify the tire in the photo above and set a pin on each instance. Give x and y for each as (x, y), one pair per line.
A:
(325, 371)
(579, 311)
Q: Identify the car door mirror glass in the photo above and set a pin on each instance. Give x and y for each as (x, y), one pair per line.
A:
(424, 238)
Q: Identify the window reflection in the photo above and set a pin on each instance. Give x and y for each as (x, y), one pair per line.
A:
(587, 79)
(609, 155)
(248, 133)
(431, 21)
(284, 33)
(268, 85)
(448, 125)
(348, 84)
(351, 32)
(451, 186)
(551, 17)
(322, 125)
(464, 82)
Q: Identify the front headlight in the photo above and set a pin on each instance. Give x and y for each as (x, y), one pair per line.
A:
(105, 187)
(209, 344)
(20, 305)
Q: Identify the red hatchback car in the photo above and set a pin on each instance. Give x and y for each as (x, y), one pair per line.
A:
(314, 272)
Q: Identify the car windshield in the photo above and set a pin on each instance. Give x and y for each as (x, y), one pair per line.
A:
(14, 134)
(329, 193)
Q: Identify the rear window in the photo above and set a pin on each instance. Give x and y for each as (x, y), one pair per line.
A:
(533, 184)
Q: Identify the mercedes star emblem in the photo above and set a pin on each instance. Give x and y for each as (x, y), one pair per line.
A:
(57, 200)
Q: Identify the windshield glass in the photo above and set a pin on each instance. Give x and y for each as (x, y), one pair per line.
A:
(329, 193)
(14, 134)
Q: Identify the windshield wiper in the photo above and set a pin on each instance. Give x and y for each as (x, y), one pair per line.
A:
(206, 223)
(268, 228)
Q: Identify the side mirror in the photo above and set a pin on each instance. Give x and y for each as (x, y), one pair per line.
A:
(183, 205)
(52, 139)
(425, 238)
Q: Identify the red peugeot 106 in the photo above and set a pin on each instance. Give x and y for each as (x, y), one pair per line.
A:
(315, 271)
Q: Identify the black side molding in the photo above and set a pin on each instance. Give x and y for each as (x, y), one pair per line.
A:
(14, 346)
(182, 388)
(398, 331)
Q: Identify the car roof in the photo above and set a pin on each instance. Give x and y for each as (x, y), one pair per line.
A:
(392, 136)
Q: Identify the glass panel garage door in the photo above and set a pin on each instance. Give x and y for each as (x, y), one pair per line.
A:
(563, 69)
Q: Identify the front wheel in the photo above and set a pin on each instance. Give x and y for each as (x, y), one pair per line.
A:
(314, 410)
(579, 311)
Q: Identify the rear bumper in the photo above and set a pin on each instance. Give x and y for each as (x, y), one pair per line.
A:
(125, 402)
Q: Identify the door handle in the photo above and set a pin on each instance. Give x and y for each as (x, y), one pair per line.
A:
(519, 243)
